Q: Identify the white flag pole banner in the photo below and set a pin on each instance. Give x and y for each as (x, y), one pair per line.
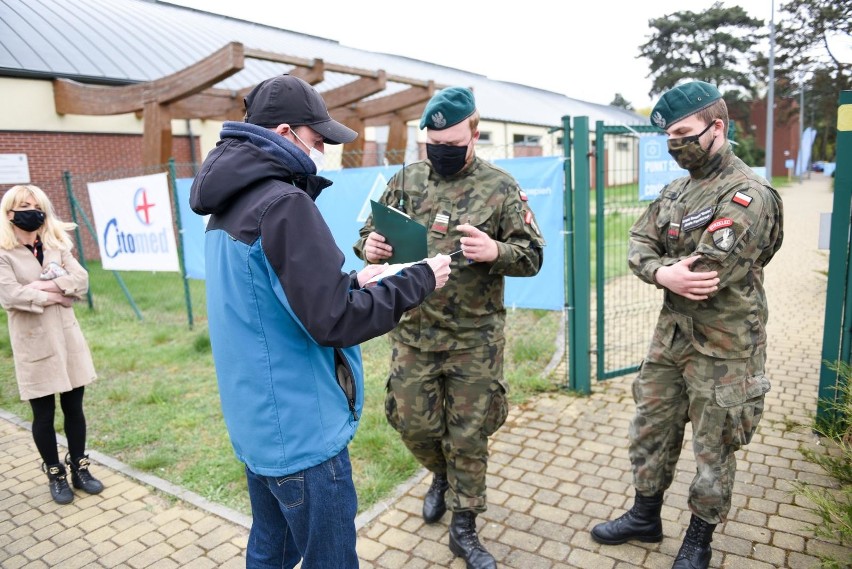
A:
(133, 218)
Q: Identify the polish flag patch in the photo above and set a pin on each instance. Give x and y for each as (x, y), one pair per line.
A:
(742, 199)
(441, 222)
(720, 223)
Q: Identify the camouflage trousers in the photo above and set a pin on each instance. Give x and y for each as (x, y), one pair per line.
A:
(722, 398)
(446, 405)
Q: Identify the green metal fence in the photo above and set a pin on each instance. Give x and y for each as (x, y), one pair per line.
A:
(837, 333)
(604, 300)
(625, 307)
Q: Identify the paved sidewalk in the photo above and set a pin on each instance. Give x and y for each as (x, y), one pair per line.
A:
(557, 467)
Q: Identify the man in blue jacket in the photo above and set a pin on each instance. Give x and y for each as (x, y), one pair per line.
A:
(285, 323)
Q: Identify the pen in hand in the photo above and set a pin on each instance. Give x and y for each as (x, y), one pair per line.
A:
(457, 252)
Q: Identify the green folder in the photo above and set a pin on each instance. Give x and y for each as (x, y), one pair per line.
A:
(406, 236)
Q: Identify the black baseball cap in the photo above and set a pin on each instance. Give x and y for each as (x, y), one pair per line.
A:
(290, 100)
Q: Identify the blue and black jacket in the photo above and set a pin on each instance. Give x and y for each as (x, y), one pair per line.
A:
(285, 321)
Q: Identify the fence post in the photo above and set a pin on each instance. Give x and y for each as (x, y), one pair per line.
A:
(581, 366)
(568, 236)
(836, 330)
(600, 250)
(72, 205)
(186, 293)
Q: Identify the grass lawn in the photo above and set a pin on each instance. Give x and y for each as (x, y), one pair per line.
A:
(621, 208)
(156, 406)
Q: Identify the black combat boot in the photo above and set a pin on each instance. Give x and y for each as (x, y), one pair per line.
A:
(464, 542)
(641, 522)
(81, 477)
(434, 505)
(695, 552)
(59, 489)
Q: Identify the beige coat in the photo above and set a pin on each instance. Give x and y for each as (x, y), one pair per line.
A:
(50, 352)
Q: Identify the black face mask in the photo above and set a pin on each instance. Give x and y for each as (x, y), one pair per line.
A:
(28, 219)
(446, 160)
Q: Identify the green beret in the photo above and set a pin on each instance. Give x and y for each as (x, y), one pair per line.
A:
(682, 101)
(448, 107)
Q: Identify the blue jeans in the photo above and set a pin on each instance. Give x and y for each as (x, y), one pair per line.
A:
(307, 516)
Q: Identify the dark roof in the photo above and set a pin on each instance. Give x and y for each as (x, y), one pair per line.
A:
(130, 41)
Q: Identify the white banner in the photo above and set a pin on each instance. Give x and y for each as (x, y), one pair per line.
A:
(133, 218)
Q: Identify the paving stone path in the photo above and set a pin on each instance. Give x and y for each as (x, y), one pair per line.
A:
(557, 467)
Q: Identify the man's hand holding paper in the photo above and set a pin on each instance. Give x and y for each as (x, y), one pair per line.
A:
(373, 274)
(367, 274)
(440, 265)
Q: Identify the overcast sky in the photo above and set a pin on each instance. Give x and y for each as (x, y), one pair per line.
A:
(590, 54)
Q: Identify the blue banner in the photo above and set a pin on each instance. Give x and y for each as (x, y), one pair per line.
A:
(805, 146)
(656, 166)
(543, 180)
(193, 226)
(346, 205)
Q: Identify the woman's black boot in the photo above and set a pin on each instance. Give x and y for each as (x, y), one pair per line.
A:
(81, 477)
(59, 489)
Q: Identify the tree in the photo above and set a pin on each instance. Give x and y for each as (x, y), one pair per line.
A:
(716, 46)
(620, 102)
(808, 59)
(746, 147)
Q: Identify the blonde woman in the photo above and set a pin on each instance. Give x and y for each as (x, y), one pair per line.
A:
(39, 281)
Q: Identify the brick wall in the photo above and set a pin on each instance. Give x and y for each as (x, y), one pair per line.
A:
(88, 157)
(785, 133)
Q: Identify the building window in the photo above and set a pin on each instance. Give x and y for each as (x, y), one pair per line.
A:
(484, 137)
(526, 139)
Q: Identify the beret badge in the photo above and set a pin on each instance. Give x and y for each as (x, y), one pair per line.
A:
(438, 120)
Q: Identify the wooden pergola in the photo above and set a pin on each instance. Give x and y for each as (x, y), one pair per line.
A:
(189, 94)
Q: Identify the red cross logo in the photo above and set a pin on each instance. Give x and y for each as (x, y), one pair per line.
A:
(142, 206)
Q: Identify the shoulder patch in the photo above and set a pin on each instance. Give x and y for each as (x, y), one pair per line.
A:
(742, 199)
(522, 195)
(530, 220)
(697, 219)
(724, 239)
(720, 223)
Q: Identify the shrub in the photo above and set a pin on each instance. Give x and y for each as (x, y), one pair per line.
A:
(833, 505)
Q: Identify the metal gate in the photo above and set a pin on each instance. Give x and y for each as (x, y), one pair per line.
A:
(604, 300)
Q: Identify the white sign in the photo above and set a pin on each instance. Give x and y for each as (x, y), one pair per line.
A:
(133, 218)
(824, 239)
(14, 169)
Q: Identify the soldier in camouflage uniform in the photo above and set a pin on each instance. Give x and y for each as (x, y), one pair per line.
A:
(445, 391)
(704, 241)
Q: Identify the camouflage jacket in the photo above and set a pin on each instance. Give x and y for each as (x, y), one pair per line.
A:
(734, 220)
(469, 310)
